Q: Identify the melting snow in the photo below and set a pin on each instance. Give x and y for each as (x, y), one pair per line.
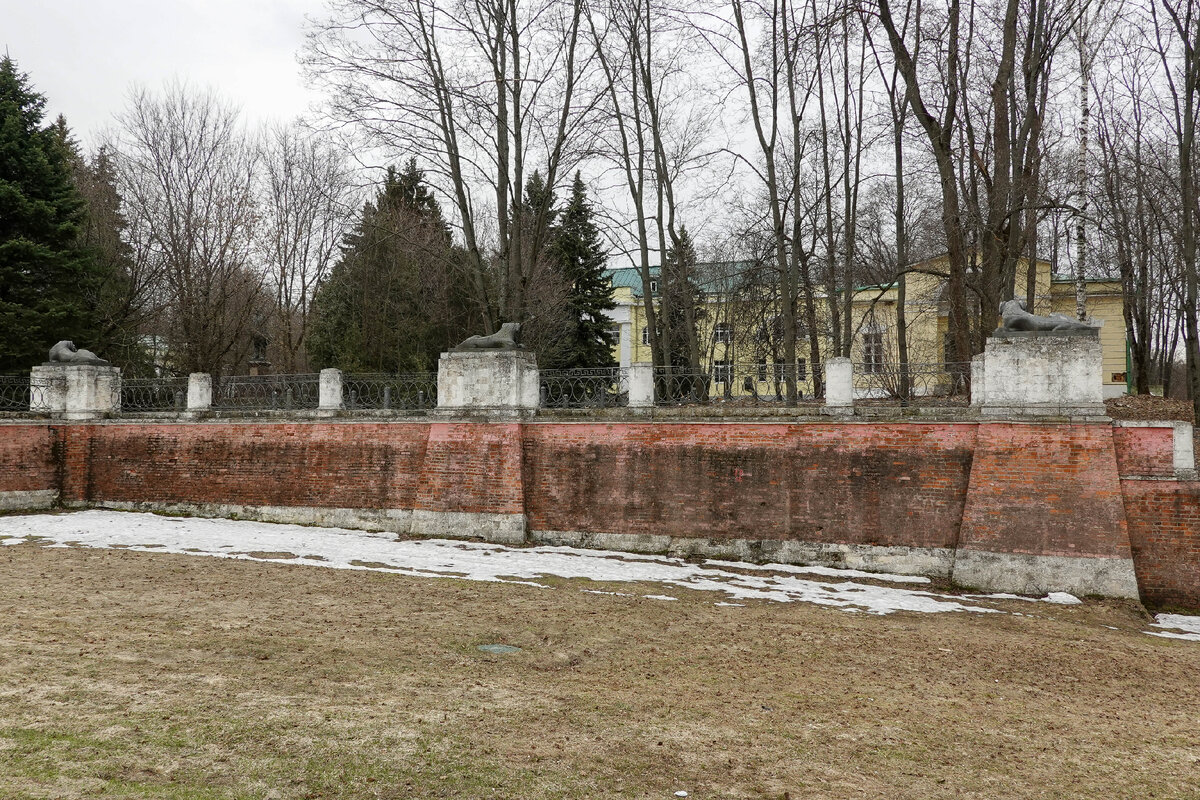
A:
(439, 558)
(1186, 627)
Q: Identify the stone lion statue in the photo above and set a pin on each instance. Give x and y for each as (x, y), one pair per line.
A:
(1017, 318)
(507, 338)
(65, 352)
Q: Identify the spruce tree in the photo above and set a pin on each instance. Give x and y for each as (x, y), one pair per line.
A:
(390, 304)
(682, 299)
(581, 258)
(45, 274)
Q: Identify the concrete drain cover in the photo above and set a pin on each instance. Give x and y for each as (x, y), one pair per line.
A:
(498, 648)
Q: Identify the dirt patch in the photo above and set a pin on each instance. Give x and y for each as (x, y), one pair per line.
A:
(1148, 406)
(147, 674)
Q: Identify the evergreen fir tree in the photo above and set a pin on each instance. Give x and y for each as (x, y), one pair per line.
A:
(680, 294)
(45, 274)
(581, 258)
(390, 304)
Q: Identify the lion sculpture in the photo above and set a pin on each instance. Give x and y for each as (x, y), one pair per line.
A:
(507, 338)
(66, 352)
(1017, 318)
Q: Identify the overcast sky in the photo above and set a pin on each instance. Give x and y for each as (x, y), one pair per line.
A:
(84, 55)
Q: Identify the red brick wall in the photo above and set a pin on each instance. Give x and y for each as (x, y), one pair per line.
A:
(360, 465)
(28, 458)
(472, 467)
(1045, 489)
(892, 484)
(1164, 530)
(1145, 451)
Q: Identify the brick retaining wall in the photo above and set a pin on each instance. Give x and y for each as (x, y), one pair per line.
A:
(1017, 500)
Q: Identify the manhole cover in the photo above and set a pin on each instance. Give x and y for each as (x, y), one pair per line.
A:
(498, 648)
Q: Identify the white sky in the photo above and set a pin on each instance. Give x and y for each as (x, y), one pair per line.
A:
(84, 55)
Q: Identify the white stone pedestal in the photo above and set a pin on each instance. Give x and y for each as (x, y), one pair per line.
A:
(75, 391)
(492, 380)
(1043, 373)
(839, 387)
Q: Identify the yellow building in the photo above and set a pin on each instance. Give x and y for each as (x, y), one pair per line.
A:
(740, 337)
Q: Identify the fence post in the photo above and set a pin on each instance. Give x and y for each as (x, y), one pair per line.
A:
(839, 387)
(641, 385)
(978, 387)
(199, 393)
(331, 390)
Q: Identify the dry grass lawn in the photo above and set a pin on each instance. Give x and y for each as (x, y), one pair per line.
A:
(143, 675)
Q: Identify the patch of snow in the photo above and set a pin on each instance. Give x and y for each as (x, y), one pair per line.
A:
(1180, 622)
(1062, 599)
(440, 558)
(831, 572)
(659, 597)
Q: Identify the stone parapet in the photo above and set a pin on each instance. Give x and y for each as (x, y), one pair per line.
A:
(488, 380)
(75, 391)
(1042, 373)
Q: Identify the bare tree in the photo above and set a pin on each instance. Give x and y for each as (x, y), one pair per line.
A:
(483, 91)
(187, 176)
(305, 201)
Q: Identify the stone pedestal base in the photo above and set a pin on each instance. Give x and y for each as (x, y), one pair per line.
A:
(491, 380)
(75, 391)
(1042, 373)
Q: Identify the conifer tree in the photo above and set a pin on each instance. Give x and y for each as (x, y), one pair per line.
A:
(580, 258)
(45, 274)
(391, 304)
(681, 298)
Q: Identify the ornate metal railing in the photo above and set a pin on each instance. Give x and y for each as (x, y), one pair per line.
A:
(15, 393)
(401, 391)
(740, 383)
(154, 394)
(606, 387)
(926, 384)
(267, 392)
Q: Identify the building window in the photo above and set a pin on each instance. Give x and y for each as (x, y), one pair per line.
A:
(614, 335)
(801, 369)
(722, 371)
(873, 352)
(723, 333)
(645, 335)
(762, 370)
(653, 287)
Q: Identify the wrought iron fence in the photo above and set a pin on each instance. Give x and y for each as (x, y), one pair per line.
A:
(401, 391)
(154, 394)
(584, 388)
(930, 384)
(26, 393)
(740, 383)
(267, 392)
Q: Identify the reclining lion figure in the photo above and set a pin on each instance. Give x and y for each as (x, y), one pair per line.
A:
(1017, 318)
(65, 352)
(507, 338)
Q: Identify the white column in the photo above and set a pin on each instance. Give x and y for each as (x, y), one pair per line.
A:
(978, 386)
(330, 390)
(199, 391)
(1185, 453)
(839, 386)
(641, 385)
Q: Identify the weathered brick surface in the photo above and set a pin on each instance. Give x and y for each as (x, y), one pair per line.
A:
(1045, 489)
(1145, 451)
(1038, 488)
(472, 467)
(1164, 530)
(892, 484)
(28, 458)
(362, 465)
